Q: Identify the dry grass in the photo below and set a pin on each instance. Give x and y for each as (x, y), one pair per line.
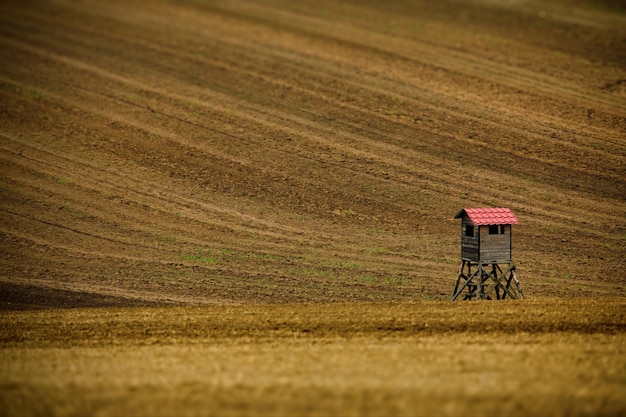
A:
(537, 357)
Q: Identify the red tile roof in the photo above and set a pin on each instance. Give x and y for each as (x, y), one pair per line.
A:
(484, 216)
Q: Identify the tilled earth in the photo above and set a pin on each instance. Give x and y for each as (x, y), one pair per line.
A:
(546, 356)
(200, 152)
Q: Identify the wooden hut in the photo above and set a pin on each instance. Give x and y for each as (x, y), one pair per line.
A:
(487, 268)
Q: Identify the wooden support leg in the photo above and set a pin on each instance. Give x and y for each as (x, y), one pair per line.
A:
(479, 283)
(458, 279)
(467, 283)
(486, 282)
(499, 284)
(496, 279)
(515, 293)
(517, 284)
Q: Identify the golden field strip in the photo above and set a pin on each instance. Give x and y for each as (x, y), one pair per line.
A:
(540, 356)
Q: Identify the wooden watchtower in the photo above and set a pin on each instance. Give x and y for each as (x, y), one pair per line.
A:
(487, 270)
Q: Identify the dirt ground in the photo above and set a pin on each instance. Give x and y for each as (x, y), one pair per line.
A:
(200, 152)
(548, 357)
(246, 207)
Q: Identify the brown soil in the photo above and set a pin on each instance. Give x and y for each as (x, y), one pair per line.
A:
(548, 357)
(269, 152)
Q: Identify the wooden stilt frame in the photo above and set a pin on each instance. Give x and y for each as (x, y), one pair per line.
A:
(486, 281)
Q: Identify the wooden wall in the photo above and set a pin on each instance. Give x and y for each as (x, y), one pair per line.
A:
(469, 245)
(483, 246)
(495, 247)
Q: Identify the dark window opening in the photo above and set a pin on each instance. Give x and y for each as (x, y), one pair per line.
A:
(469, 231)
(493, 229)
(502, 229)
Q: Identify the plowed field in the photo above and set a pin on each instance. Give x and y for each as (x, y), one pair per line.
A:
(551, 357)
(250, 153)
